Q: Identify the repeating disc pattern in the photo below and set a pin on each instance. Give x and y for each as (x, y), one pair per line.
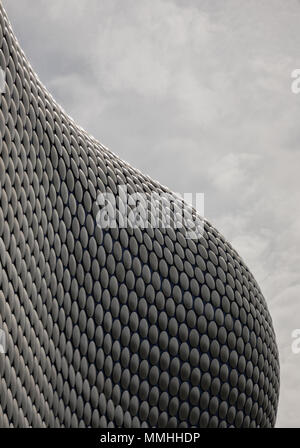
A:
(116, 327)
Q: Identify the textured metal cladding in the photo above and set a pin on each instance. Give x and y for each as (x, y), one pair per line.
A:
(119, 327)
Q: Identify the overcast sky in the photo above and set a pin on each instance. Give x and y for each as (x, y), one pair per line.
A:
(197, 94)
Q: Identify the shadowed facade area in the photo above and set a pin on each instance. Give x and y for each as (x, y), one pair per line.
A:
(117, 327)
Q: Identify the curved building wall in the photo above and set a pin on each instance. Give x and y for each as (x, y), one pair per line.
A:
(117, 326)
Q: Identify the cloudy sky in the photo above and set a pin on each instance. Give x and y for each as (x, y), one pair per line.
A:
(197, 94)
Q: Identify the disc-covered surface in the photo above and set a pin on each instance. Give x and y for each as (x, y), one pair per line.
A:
(116, 327)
